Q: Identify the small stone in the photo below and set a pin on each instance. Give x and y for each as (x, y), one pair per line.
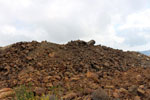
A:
(29, 58)
(133, 89)
(51, 54)
(141, 91)
(49, 85)
(92, 76)
(106, 64)
(87, 91)
(141, 86)
(46, 79)
(69, 96)
(39, 64)
(6, 92)
(39, 91)
(100, 94)
(147, 75)
(137, 98)
(66, 78)
(109, 86)
(122, 90)
(139, 78)
(148, 91)
(29, 79)
(147, 59)
(57, 77)
(116, 93)
(75, 78)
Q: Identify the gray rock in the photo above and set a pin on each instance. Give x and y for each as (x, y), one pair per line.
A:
(91, 42)
(100, 94)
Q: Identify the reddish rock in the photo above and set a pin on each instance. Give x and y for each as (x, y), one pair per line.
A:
(6, 92)
(137, 98)
(139, 78)
(122, 90)
(140, 91)
(69, 96)
(92, 76)
(116, 93)
(52, 54)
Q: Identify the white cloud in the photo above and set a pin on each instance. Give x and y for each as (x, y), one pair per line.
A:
(65, 20)
(137, 20)
(136, 30)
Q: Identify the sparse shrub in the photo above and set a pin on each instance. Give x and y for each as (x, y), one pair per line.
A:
(24, 93)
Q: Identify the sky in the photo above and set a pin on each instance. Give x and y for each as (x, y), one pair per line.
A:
(120, 24)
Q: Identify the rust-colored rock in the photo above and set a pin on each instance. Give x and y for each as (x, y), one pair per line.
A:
(69, 96)
(116, 93)
(122, 90)
(92, 76)
(139, 78)
(137, 98)
(141, 91)
(6, 92)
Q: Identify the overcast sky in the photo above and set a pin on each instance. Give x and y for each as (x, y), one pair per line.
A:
(122, 24)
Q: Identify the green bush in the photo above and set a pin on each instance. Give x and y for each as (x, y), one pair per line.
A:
(24, 93)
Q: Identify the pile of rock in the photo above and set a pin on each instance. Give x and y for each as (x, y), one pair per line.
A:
(76, 70)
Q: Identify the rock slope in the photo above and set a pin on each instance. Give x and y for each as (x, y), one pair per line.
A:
(76, 70)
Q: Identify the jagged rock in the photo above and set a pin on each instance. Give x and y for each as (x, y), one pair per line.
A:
(91, 42)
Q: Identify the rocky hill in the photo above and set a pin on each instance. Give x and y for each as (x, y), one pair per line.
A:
(78, 68)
